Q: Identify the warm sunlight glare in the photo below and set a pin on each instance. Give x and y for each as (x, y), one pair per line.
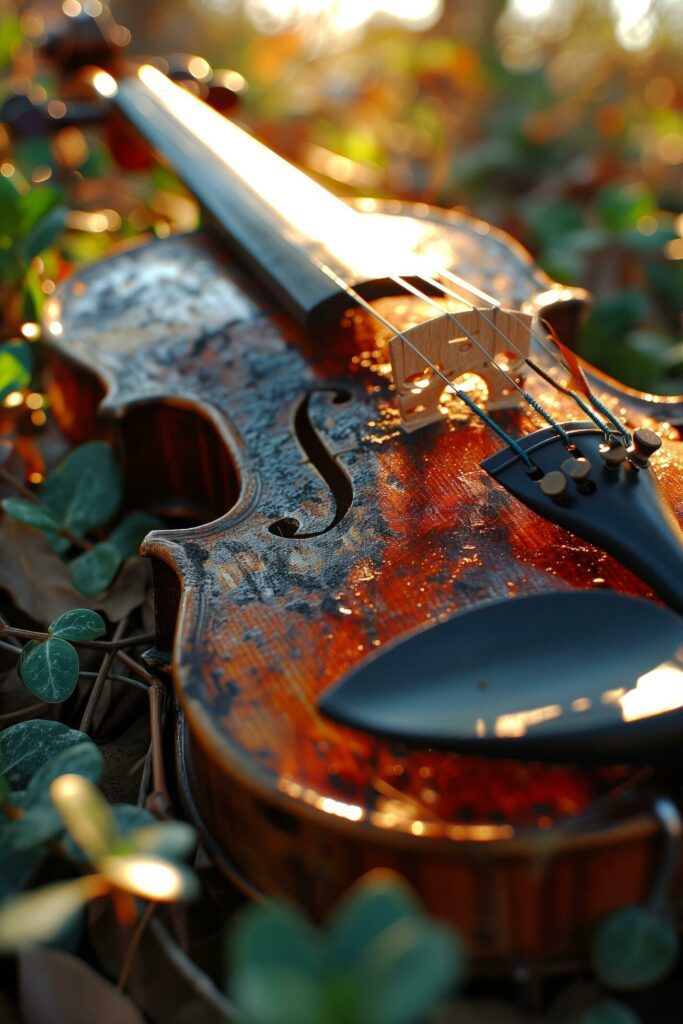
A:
(655, 692)
(148, 877)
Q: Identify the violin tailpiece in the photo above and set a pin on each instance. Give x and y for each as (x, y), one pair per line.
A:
(446, 341)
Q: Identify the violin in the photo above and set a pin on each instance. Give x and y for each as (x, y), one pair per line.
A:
(421, 597)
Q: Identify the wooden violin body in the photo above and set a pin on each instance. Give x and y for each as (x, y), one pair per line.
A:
(326, 531)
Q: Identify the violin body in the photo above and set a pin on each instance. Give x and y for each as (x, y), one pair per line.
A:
(325, 531)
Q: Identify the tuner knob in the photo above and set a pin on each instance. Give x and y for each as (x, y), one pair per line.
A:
(554, 484)
(613, 457)
(577, 469)
(645, 444)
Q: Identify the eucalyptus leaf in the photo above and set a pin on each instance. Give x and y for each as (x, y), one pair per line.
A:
(82, 759)
(30, 512)
(131, 531)
(38, 916)
(78, 624)
(86, 815)
(171, 840)
(50, 670)
(16, 865)
(409, 967)
(609, 1012)
(149, 877)
(84, 491)
(634, 948)
(93, 571)
(26, 746)
(372, 905)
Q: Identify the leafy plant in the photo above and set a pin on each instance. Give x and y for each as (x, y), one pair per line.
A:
(633, 948)
(81, 495)
(140, 862)
(32, 755)
(49, 667)
(379, 961)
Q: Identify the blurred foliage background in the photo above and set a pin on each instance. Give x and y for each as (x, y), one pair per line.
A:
(558, 120)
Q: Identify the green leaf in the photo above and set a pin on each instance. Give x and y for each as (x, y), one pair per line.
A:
(80, 759)
(372, 905)
(408, 968)
(609, 1012)
(16, 866)
(27, 746)
(10, 37)
(50, 670)
(42, 234)
(30, 512)
(622, 206)
(78, 624)
(39, 916)
(276, 935)
(93, 571)
(131, 531)
(86, 815)
(16, 367)
(84, 491)
(36, 204)
(171, 840)
(149, 877)
(634, 948)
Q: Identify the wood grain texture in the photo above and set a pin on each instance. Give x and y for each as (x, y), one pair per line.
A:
(294, 584)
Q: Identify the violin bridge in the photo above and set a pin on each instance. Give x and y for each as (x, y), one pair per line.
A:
(504, 337)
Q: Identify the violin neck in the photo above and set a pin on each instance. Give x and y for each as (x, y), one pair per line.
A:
(287, 228)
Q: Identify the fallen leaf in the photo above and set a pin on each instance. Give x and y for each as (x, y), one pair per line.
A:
(38, 581)
(56, 987)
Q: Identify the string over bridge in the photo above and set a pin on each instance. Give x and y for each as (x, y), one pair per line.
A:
(447, 342)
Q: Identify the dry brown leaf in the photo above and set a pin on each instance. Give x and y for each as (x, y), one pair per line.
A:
(38, 581)
(56, 987)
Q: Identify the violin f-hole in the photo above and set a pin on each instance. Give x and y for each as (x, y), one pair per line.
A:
(325, 463)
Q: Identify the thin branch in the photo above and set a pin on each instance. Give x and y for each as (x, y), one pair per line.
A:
(98, 685)
(134, 945)
(118, 679)
(138, 669)
(200, 982)
(93, 645)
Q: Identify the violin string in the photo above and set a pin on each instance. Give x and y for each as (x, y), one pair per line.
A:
(541, 340)
(450, 386)
(561, 433)
(494, 306)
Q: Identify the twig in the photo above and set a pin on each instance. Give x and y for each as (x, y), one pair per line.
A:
(135, 667)
(200, 982)
(16, 648)
(93, 645)
(98, 685)
(158, 801)
(134, 945)
(118, 679)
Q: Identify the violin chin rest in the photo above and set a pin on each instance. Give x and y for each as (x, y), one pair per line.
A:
(563, 676)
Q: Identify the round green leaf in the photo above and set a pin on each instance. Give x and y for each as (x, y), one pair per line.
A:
(81, 759)
(84, 491)
(16, 866)
(39, 916)
(609, 1012)
(373, 904)
(93, 571)
(130, 533)
(26, 746)
(172, 840)
(87, 816)
(30, 512)
(634, 948)
(79, 624)
(408, 968)
(50, 670)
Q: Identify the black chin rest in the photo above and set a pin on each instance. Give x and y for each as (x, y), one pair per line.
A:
(563, 676)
